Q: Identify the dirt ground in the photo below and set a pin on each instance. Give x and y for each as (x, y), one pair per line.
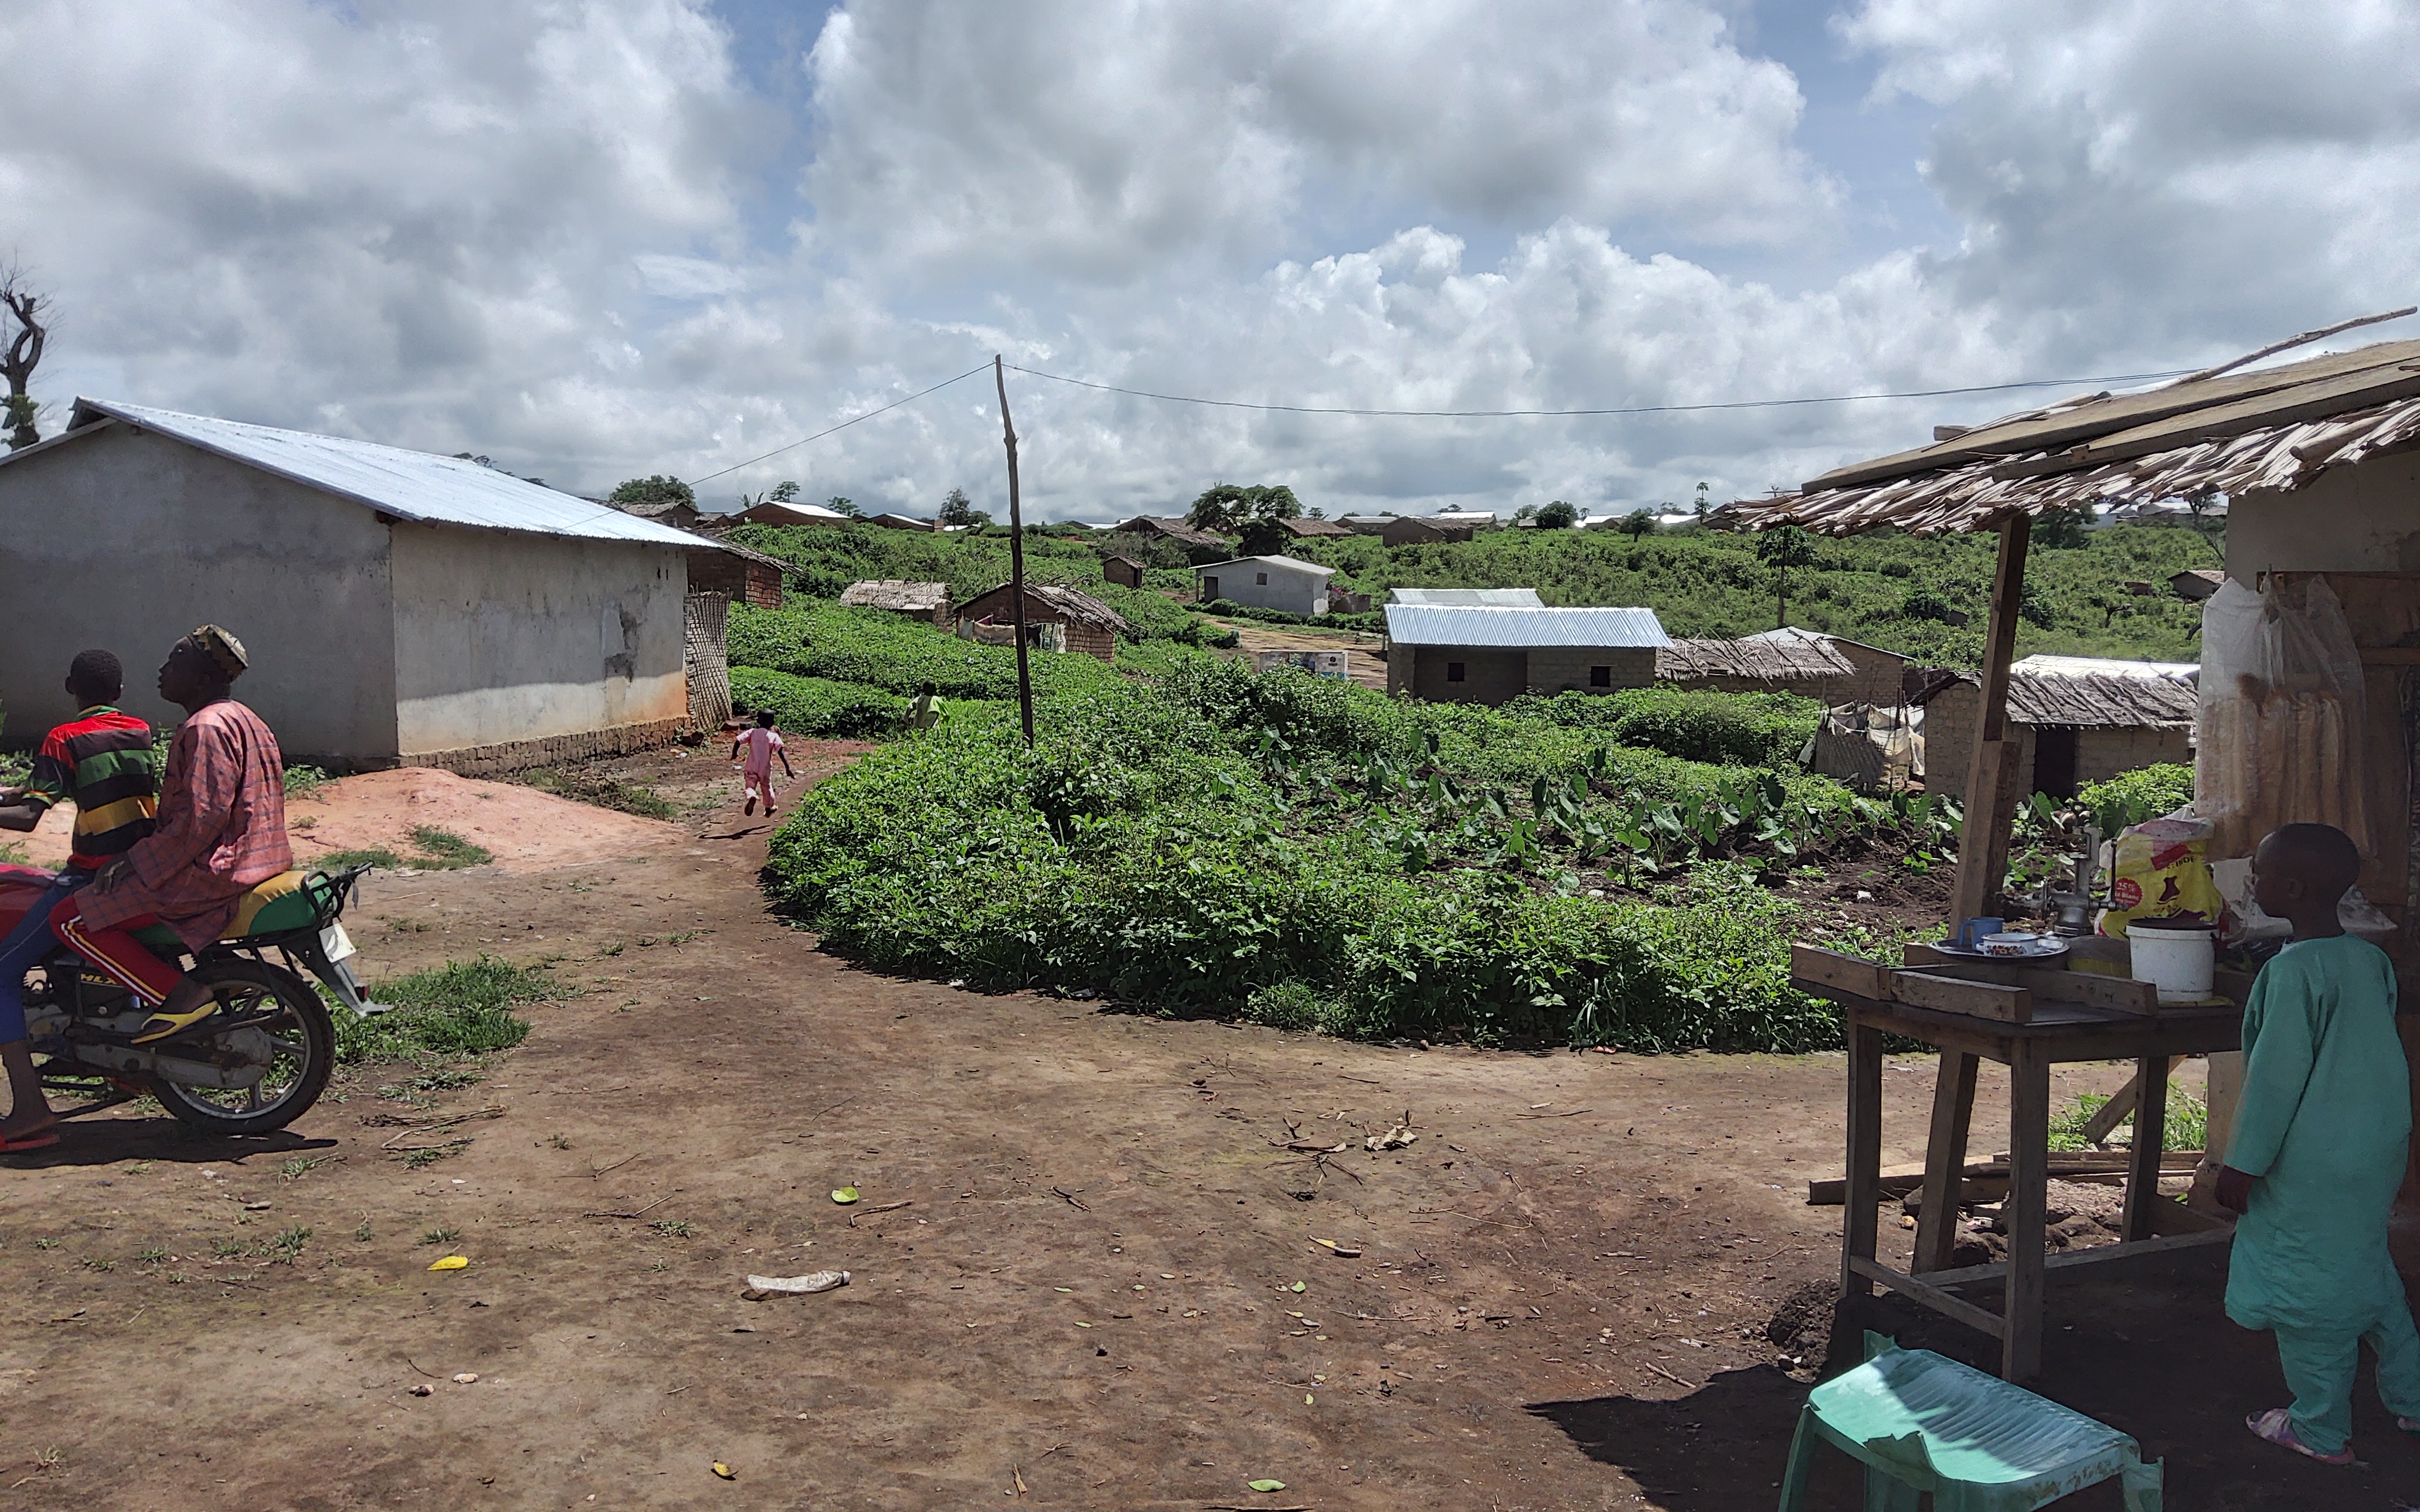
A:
(1362, 663)
(1085, 1270)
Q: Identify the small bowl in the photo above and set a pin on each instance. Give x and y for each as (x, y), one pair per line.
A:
(2015, 942)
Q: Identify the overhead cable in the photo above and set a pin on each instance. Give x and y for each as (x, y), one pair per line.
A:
(842, 426)
(1629, 409)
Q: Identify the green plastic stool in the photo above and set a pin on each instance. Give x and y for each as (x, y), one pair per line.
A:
(1923, 1424)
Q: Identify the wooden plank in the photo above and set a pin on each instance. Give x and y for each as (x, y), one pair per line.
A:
(1859, 1224)
(2150, 1130)
(1991, 785)
(1951, 995)
(2029, 1198)
(1987, 1181)
(1851, 974)
(2056, 983)
(1944, 1159)
(2170, 1220)
(1968, 1275)
(1933, 1297)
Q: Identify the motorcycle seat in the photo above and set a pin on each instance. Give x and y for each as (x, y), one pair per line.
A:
(271, 907)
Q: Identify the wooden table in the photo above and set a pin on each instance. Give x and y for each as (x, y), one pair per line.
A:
(2055, 1032)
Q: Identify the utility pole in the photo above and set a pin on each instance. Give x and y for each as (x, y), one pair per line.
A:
(1016, 554)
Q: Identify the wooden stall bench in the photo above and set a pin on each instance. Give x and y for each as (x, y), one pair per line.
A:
(2028, 1018)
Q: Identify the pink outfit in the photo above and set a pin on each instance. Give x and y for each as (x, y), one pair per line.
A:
(756, 769)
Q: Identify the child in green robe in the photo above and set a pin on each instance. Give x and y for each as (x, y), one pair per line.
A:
(2317, 1153)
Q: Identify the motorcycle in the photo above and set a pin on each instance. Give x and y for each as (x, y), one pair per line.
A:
(252, 1067)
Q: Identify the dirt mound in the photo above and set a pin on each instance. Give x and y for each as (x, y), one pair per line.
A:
(524, 829)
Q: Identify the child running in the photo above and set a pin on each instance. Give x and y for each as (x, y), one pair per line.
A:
(2316, 1154)
(764, 743)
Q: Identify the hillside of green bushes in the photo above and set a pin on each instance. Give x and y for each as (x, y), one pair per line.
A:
(1306, 852)
(1889, 590)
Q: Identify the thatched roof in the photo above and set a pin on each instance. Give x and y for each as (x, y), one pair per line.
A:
(2119, 698)
(2276, 428)
(1053, 601)
(1795, 659)
(896, 594)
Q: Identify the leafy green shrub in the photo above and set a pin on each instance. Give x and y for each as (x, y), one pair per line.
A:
(1695, 724)
(892, 653)
(460, 1009)
(603, 792)
(2131, 797)
(816, 706)
(1300, 851)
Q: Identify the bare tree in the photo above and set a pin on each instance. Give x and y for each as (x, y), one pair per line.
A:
(31, 311)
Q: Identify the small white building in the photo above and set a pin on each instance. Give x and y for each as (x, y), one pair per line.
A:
(399, 607)
(1285, 584)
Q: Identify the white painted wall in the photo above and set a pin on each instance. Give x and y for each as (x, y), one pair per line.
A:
(1289, 589)
(124, 540)
(503, 636)
(2361, 518)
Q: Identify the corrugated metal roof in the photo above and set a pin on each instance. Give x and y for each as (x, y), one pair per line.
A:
(1460, 624)
(413, 485)
(1490, 598)
(1282, 563)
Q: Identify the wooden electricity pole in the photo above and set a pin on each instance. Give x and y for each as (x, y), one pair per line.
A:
(1016, 554)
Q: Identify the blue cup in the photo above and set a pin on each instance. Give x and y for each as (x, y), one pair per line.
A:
(1972, 933)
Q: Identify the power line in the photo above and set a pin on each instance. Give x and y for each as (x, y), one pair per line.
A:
(1450, 414)
(1632, 410)
(842, 426)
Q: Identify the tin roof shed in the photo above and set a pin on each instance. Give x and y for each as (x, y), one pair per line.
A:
(1439, 624)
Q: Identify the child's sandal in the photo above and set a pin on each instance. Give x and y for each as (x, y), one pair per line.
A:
(2277, 1426)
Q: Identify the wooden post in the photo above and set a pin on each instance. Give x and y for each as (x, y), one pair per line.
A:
(1016, 554)
(1945, 1161)
(2025, 1206)
(1858, 1223)
(2151, 1132)
(1992, 775)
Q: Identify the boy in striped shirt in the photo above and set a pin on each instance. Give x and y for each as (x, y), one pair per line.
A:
(101, 761)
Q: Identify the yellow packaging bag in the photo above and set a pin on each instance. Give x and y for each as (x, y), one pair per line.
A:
(2157, 870)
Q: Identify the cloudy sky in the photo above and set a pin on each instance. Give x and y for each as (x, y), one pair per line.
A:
(602, 238)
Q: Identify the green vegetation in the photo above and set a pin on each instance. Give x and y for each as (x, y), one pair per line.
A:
(2135, 797)
(1312, 853)
(2187, 1126)
(439, 851)
(603, 792)
(816, 706)
(305, 781)
(1749, 729)
(460, 1009)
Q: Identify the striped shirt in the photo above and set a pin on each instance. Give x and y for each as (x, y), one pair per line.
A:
(101, 761)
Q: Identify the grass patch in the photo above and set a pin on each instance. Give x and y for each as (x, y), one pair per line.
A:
(2188, 1124)
(458, 1009)
(305, 781)
(604, 792)
(439, 851)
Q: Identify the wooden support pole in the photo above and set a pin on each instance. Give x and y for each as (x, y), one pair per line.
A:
(1992, 776)
(2143, 1167)
(1016, 554)
(1945, 1160)
(1859, 1223)
(2024, 1209)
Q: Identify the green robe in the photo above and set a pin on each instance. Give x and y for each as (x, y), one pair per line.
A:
(2323, 1121)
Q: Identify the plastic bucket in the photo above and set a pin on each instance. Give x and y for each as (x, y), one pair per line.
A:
(2174, 955)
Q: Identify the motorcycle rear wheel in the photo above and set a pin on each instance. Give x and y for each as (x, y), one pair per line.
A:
(302, 1042)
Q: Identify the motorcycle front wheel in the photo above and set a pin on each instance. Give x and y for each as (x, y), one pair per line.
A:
(302, 1041)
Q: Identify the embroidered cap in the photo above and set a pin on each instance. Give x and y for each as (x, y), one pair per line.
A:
(221, 646)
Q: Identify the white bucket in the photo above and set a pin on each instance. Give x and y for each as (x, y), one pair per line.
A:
(2174, 955)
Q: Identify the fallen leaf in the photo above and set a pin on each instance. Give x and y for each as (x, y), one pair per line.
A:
(1306, 1398)
(1300, 1286)
(451, 1262)
(726, 1471)
(1350, 1252)
(1266, 1485)
(845, 1196)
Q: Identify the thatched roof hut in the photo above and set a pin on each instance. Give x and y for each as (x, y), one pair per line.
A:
(2076, 719)
(1089, 626)
(922, 601)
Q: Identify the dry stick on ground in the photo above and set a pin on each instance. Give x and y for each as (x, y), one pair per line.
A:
(410, 1130)
(633, 1212)
(596, 1171)
(1573, 1114)
(415, 1365)
(1070, 1198)
(1667, 1375)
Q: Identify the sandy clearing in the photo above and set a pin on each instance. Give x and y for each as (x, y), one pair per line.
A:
(526, 830)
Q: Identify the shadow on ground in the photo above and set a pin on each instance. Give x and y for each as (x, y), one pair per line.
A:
(2150, 1353)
